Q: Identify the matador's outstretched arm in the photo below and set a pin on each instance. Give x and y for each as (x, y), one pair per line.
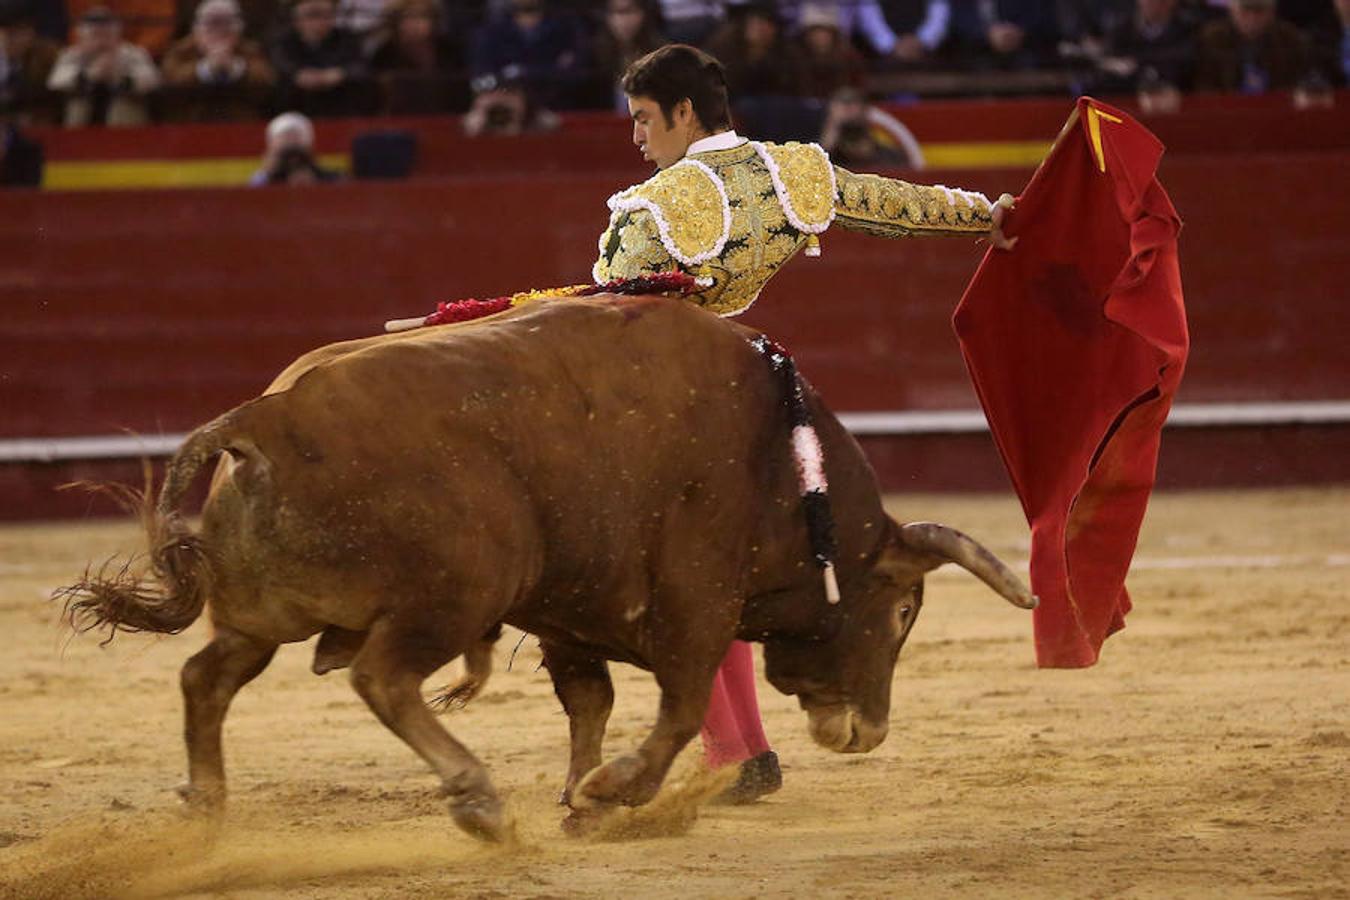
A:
(888, 207)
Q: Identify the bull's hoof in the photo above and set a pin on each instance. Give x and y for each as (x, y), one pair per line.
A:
(201, 802)
(616, 782)
(483, 817)
(581, 823)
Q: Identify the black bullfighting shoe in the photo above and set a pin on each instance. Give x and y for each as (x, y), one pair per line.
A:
(760, 776)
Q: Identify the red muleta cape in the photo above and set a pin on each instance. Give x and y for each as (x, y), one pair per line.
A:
(1076, 340)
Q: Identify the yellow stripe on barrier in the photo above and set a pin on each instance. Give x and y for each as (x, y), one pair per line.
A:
(985, 155)
(163, 173)
(101, 175)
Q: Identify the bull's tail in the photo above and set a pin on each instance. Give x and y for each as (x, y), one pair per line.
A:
(169, 594)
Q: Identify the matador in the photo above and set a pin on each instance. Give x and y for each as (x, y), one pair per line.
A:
(731, 212)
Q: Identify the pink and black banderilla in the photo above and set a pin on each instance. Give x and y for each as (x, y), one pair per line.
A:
(810, 460)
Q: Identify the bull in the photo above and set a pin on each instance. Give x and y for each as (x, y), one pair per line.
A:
(612, 475)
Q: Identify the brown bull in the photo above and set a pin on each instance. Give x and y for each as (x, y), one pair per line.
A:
(612, 474)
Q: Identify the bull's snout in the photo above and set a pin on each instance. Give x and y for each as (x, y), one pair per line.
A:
(841, 729)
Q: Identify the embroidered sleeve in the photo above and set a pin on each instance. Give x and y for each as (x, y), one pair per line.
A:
(631, 247)
(888, 207)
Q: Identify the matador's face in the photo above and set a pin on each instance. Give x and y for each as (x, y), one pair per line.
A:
(662, 142)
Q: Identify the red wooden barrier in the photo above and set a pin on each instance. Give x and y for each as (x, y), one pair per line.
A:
(155, 310)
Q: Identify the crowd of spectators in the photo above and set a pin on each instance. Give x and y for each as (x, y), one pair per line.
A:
(509, 64)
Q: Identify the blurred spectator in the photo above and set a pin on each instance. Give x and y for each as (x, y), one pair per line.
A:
(691, 21)
(146, 23)
(20, 158)
(1155, 95)
(829, 61)
(215, 74)
(1085, 25)
(1251, 51)
(289, 156)
(627, 33)
(105, 80)
(759, 59)
(918, 28)
(261, 17)
(49, 17)
(1002, 33)
(1308, 15)
(1332, 48)
(870, 22)
(26, 61)
(363, 18)
(1157, 44)
(541, 51)
(503, 105)
(418, 67)
(321, 70)
(462, 17)
(857, 135)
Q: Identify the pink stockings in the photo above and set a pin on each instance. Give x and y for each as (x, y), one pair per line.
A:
(732, 731)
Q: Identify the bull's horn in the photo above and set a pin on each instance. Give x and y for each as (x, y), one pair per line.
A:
(969, 554)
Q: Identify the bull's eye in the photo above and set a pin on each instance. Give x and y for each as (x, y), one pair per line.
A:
(900, 620)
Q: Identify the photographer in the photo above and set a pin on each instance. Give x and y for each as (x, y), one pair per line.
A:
(852, 133)
(502, 105)
(289, 158)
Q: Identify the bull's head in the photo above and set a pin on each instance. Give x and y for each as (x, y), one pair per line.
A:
(841, 673)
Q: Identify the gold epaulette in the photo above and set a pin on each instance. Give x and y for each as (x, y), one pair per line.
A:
(689, 205)
(803, 179)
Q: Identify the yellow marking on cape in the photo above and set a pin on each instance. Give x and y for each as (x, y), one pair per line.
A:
(1095, 116)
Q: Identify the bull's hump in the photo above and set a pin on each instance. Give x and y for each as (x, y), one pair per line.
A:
(667, 334)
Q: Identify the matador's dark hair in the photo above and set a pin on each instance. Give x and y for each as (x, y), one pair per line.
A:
(678, 72)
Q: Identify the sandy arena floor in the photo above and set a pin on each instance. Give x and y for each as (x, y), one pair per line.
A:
(1206, 755)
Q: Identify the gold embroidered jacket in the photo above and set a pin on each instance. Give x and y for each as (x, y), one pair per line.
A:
(733, 217)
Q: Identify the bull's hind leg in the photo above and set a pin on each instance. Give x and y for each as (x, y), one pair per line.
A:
(581, 681)
(209, 681)
(388, 673)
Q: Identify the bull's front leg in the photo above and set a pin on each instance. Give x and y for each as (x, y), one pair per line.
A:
(210, 679)
(634, 779)
(581, 681)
